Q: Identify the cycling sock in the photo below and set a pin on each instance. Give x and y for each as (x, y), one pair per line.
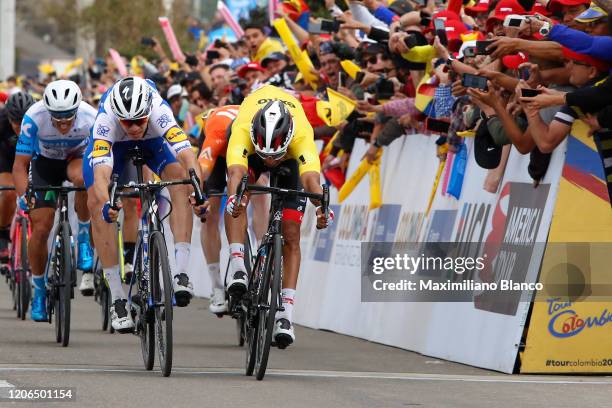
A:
(237, 257)
(215, 276)
(114, 282)
(287, 295)
(128, 251)
(83, 235)
(181, 252)
(38, 283)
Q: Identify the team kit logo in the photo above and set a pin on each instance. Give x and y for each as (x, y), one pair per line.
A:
(163, 121)
(176, 135)
(101, 148)
(102, 130)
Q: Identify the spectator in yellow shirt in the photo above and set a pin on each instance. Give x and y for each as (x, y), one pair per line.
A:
(260, 45)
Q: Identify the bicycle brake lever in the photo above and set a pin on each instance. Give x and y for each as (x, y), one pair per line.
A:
(112, 192)
(195, 182)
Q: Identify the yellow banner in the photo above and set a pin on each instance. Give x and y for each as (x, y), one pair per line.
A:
(304, 66)
(350, 68)
(570, 330)
(375, 190)
(364, 168)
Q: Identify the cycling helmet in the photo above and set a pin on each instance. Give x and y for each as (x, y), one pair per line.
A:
(272, 130)
(131, 98)
(17, 105)
(62, 98)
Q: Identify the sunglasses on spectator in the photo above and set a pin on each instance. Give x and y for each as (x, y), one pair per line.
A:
(131, 122)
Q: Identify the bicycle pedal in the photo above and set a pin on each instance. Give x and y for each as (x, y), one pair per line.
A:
(181, 300)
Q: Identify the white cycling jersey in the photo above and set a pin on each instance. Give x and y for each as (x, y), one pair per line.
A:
(39, 137)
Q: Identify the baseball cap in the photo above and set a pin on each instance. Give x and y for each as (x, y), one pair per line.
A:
(481, 7)
(3, 97)
(513, 61)
(593, 13)
(539, 8)
(446, 15)
(400, 7)
(556, 5)
(251, 66)
(505, 8)
(486, 152)
(174, 90)
(273, 56)
(570, 55)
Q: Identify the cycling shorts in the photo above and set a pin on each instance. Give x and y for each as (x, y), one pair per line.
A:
(7, 157)
(47, 172)
(217, 181)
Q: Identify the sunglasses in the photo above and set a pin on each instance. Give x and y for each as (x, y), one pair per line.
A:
(63, 116)
(131, 122)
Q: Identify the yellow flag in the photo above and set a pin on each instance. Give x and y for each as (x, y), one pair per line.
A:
(76, 63)
(341, 106)
(375, 190)
(350, 184)
(46, 68)
(303, 65)
(350, 68)
(136, 70)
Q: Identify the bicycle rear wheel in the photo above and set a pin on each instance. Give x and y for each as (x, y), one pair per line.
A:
(161, 291)
(269, 297)
(25, 289)
(64, 286)
(248, 263)
(145, 320)
(251, 314)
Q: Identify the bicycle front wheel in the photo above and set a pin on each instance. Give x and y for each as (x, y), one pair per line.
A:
(269, 297)
(145, 320)
(161, 293)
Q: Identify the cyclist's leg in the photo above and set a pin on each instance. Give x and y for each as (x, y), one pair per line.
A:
(130, 221)
(211, 238)
(44, 172)
(104, 234)
(85, 252)
(163, 162)
(261, 208)
(293, 212)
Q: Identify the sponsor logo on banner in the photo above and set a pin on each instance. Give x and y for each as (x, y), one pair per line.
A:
(352, 230)
(565, 322)
(101, 148)
(441, 226)
(509, 246)
(324, 240)
(385, 222)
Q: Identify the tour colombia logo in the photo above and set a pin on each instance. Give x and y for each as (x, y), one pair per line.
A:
(566, 322)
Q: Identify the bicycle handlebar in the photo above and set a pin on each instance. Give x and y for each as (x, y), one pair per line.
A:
(60, 189)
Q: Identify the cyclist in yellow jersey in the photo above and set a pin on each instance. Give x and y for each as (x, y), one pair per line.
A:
(272, 133)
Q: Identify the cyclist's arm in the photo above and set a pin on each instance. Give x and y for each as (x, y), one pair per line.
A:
(102, 175)
(238, 149)
(177, 139)
(311, 180)
(23, 154)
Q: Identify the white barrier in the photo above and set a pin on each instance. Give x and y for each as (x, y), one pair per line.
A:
(329, 292)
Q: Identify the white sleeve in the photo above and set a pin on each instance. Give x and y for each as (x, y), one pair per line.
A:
(363, 15)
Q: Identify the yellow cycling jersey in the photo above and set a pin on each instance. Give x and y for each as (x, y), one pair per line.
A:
(302, 147)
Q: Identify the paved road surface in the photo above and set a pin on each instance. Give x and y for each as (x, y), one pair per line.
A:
(322, 369)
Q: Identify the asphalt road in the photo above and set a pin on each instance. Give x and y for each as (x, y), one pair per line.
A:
(321, 369)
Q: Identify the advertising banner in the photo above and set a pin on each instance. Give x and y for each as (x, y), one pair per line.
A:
(570, 329)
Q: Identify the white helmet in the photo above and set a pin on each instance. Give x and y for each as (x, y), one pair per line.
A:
(131, 98)
(62, 97)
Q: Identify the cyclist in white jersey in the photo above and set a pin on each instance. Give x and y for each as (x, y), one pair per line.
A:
(54, 134)
(132, 113)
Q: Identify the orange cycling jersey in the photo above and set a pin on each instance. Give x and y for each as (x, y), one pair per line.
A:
(215, 131)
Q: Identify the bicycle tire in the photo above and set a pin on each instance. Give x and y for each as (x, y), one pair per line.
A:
(162, 299)
(24, 283)
(252, 315)
(271, 290)
(248, 263)
(145, 327)
(64, 292)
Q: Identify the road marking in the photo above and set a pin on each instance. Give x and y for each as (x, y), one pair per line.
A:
(329, 374)
(6, 384)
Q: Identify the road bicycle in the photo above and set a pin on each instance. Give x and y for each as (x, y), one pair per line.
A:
(154, 297)
(263, 297)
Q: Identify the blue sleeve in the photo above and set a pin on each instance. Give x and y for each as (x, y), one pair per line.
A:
(27, 138)
(384, 14)
(596, 46)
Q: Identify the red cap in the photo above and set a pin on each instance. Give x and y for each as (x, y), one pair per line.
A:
(539, 8)
(601, 65)
(557, 5)
(514, 60)
(505, 8)
(481, 7)
(251, 66)
(3, 97)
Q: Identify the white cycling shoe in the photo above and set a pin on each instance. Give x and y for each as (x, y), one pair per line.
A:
(183, 289)
(237, 285)
(218, 304)
(121, 319)
(283, 333)
(87, 284)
